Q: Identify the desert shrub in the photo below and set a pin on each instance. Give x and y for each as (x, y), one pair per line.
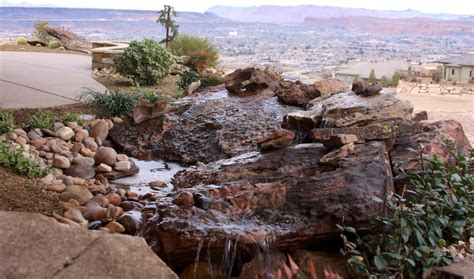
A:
(211, 80)
(203, 51)
(71, 117)
(21, 41)
(61, 48)
(108, 104)
(424, 228)
(54, 44)
(7, 123)
(38, 45)
(187, 78)
(43, 118)
(21, 162)
(39, 31)
(199, 61)
(145, 62)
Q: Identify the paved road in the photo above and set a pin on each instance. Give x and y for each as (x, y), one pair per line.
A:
(32, 80)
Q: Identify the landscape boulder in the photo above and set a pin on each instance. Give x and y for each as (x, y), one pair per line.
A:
(285, 194)
(366, 89)
(249, 79)
(36, 246)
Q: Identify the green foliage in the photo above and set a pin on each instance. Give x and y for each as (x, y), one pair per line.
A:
(372, 77)
(384, 82)
(395, 79)
(71, 117)
(166, 19)
(211, 80)
(21, 162)
(424, 227)
(7, 122)
(152, 97)
(43, 118)
(21, 41)
(61, 48)
(145, 62)
(54, 44)
(200, 50)
(187, 78)
(39, 31)
(109, 104)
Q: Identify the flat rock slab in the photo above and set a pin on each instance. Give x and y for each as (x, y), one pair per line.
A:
(33, 80)
(35, 246)
(464, 269)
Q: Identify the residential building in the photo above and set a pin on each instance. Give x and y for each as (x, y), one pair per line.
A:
(459, 69)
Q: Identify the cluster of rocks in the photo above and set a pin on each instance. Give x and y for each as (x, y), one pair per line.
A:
(83, 162)
(280, 162)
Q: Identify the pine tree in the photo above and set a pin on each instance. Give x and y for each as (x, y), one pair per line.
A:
(166, 19)
(372, 77)
(395, 79)
(384, 82)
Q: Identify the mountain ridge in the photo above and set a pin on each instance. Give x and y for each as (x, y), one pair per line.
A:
(297, 14)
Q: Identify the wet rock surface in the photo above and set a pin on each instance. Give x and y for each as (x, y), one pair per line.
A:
(205, 127)
(285, 194)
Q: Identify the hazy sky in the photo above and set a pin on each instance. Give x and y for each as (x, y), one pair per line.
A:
(430, 6)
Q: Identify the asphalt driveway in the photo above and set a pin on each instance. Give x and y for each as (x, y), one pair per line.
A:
(33, 80)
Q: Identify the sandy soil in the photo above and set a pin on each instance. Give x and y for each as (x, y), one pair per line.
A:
(18, 193)
(167, 86)
(460, 108)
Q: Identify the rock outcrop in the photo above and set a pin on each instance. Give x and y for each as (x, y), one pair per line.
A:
(250, 79)
(205, 127)
(285, 195)
(69, 40)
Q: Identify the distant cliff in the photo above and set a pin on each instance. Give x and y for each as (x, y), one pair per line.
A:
(294, 14)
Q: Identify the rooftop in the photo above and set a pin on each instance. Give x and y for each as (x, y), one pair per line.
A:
(457, 61)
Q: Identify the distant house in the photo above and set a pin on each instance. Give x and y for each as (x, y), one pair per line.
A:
(361, 70)
(459, 68)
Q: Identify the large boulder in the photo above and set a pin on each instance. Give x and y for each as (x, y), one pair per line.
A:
(348, 109)
(433, 140)
(296, 93)
(68, 39)
(204, 127)
(285, 196)
(249, 79)
(35, 246)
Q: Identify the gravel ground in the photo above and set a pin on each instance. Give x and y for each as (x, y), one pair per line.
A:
(460, 108)
(18, 193)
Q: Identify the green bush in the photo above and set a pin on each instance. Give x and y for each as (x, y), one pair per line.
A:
(43, 118)
(21, 41)
(61, 48)
(201, 49)
(211, 80)
(187, 78)
(145, 62)
(109, 104)
(54, 44)
(424, 228)
(152, 97)
(7, 123)
(38, 45)
(21, 163)
(71, 117)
